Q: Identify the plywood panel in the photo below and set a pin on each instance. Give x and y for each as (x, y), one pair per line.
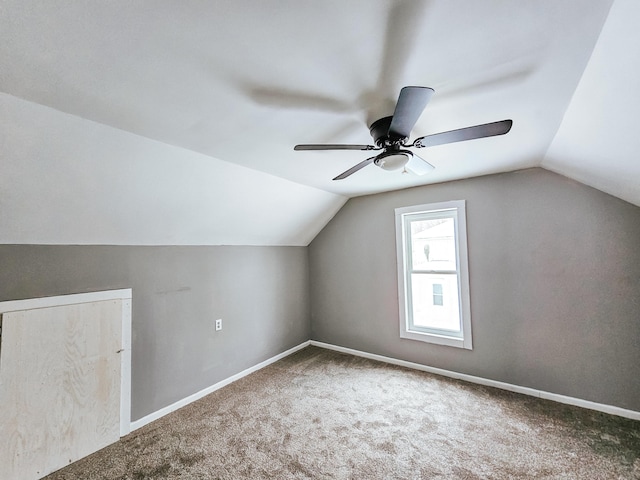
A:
(59, 385)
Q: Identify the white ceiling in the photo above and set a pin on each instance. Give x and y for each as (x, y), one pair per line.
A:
(66, 180)
(598, 142)
(242, 82)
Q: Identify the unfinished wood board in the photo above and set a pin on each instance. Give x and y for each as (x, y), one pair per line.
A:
(60, 381)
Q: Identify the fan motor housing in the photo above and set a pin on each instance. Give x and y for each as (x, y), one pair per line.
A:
(380, 132)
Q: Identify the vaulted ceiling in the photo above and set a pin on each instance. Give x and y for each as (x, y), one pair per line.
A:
(166, 122)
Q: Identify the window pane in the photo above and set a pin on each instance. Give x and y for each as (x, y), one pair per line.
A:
(426, 312)
(433, 245)
(437, 294)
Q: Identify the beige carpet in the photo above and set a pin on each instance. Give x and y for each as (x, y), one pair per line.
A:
(321, 414)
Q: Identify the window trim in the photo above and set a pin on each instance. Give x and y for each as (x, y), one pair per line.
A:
(404, 301)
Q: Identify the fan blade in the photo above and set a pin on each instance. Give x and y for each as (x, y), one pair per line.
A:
(462, 134)
(334, 147)
(355, 168)
(411, 103)
(419, 165)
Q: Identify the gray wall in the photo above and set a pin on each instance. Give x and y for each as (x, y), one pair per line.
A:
(554, 277)
(261, 293)
(555, 292)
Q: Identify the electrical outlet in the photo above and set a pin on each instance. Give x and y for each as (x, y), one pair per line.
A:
(218, 324)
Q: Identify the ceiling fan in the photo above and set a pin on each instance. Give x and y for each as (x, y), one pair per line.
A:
(390, 134)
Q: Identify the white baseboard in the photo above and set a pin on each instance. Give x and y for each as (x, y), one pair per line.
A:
(198, 395)
(600, 407)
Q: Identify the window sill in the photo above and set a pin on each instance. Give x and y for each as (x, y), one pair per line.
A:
(437, 339)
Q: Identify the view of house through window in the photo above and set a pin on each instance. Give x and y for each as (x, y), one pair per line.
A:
(437, 294)
(432, 264)
(434, 280)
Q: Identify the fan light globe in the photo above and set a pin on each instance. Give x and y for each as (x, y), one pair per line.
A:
(393, 161)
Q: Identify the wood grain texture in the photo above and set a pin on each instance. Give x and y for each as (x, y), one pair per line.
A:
(59, 386)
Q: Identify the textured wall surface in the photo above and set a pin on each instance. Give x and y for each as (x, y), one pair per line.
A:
(554, 278)
(261, 293)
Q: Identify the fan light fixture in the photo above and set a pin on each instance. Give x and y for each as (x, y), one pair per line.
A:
(394, 160)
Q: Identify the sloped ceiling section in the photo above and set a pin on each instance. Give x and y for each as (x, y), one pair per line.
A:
(66, 180)
(598, 141)
(165, 122)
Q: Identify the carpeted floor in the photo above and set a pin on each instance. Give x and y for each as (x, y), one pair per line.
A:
(322, 414)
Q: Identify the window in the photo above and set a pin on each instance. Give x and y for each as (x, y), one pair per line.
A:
(433, 279)
(437, 294)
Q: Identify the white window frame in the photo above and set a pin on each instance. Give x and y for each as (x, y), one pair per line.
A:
(403, 242)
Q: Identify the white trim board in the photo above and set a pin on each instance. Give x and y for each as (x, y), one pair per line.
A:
(125, 368)
(204, 392)
(60, 300)
(600, 407)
